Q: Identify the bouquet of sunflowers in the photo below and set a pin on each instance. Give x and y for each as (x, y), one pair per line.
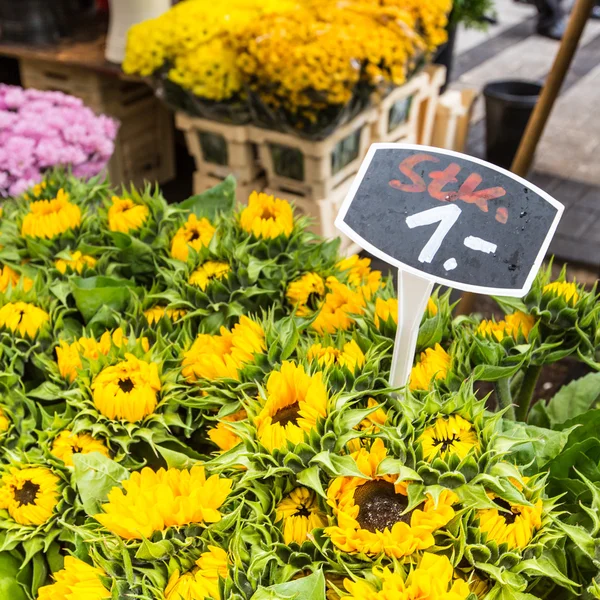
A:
(194, 404)
(300, 65)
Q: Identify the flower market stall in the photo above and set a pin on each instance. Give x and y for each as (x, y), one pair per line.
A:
(195, 404)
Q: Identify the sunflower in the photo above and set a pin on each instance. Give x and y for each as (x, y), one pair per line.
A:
(30, 494)
(267, 217)
(223, 435)
(127, 390)
(67, 443)
(447, 436)
(434, 364)
(299, 514)
(77, 580)
(360, 275)
(224, 355)
(386, 310)
(48, 218)
(76, 263)
(295, 402)
(341, 304)
(371, 512)
(510, 524)
(433, 579)
(207, 272)
(511, 326)
(351, 357)
(562, 289)
(201, 582)
(156, 500)
(23, 318)
(155, 313)
(11, 278)
(306, 293)
(125, 215)
(196, 234)
(432, 308)
(4, 421)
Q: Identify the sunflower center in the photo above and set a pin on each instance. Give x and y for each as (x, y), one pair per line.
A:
(286, 415)
(446, 443)
(126, 385)
(302, 511)
(510, 516)
(267, 213)
(380, 507)
(195, 236)
(27, 494)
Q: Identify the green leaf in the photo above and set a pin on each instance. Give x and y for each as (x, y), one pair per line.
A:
(393, 466)
(307, 588)
(95, 476)
(580, 537)
(92, 293)
(175, 459)
(475, 496)
(9, 585)
(155, 550)
(338, 466)
(311, 479)
(543, 567)
(575, 398)
(220, 198)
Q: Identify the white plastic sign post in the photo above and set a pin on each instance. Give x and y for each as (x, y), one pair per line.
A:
(444, 217)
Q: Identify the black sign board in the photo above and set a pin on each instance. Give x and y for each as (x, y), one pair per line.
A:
(450, 218)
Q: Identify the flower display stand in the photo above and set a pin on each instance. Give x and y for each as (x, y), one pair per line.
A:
(452, 119)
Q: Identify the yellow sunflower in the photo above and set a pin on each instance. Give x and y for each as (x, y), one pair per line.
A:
(127, 390)
(77, 580)
(434, 364)
(295, 402)
(4, 421)
(155, 313)
(562, 289)
(351, 357)
(67, 443)
(511, 326)
(223, 435)
(267, 217)
(433, 579)
(196, 233)
(306, 293)
(156, 500)
(225, 354)
(207, 272)
(341, 304)
(359, 274)
(447, 436)
(371, 515)
(369, 425)
(299, 514)
(514, 526)
(30, 494)
(125, 215)
(201, 582)
(23, 318)
(386, 310)
(76, 263)
(48, 218)
(9, 277)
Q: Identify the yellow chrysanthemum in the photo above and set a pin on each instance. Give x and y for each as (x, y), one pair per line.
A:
(563, 289)
(203, 581)
(359, 274)
(295, 403)
(4, 421)
(225, 354)
(156, 313)
(433, 579)
(341, 304)
(451, 435)
(513, 526)
(127, 390)
(386, 310)
(196, 234)
(77, 581)
(76, 263)
(48, 218)
(511, 326)
(68, 356)
(9, 277)
(371, 515)
(351, 357)
(434, 364)
(300, 514)
(67, 443)
(223, 435)
(23, 318)
(306, 293)
(207, 272)
(30, 494)
(267, 217)
(156, 500)
(125, 215)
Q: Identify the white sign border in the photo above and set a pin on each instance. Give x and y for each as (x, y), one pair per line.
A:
(347, 230)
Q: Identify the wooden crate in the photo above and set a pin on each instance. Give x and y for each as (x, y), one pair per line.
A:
(452, 119)
(429, 101)
(220, 149)
(204, 182)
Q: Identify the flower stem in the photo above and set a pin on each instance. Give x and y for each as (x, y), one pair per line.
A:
(504, 397)
(532, 374)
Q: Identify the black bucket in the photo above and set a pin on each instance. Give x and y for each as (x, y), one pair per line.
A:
(508, 106)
